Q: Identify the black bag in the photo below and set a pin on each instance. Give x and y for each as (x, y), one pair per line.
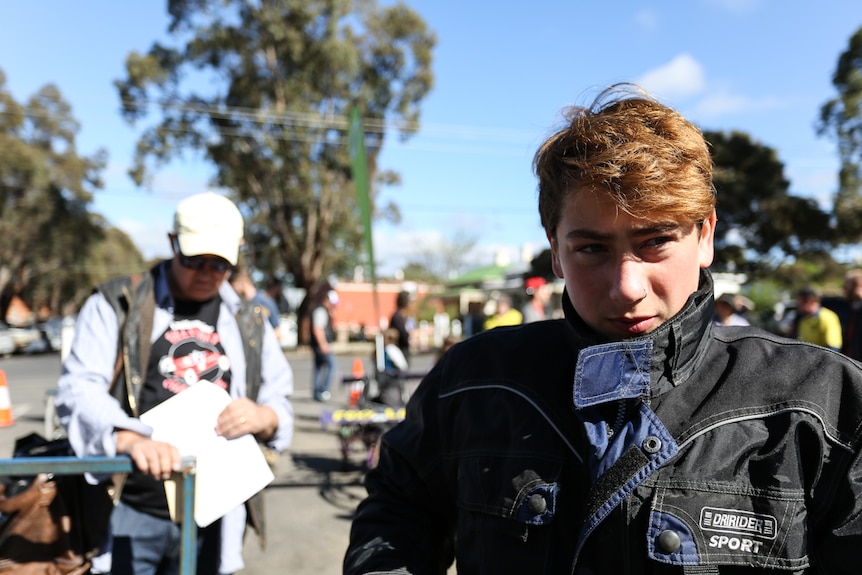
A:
(51, 524)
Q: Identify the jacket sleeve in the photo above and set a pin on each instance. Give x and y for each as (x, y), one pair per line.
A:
(406, 523)
(276, 388)
(84, 404)
(835, 528)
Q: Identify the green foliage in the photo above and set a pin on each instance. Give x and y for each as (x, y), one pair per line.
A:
(442, 261)
(263, 90)
(419, 272)
(822, 272)
(765, 293)
(758, 219)
(841, 118)
(45, 192)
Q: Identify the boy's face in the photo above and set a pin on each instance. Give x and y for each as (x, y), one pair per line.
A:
(626, 276)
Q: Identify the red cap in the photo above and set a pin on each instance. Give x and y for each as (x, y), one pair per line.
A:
(534, 282)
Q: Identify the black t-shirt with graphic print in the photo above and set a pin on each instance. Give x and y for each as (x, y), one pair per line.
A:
(187, 352)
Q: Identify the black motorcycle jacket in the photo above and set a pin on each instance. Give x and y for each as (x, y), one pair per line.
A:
(694, 449)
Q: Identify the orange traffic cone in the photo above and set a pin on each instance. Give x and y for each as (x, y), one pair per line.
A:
(6, 418)
(358, 368)
(358, 383)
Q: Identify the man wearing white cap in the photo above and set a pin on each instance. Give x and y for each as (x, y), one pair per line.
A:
(140, 341)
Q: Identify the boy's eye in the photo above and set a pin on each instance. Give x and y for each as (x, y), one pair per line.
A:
(590, 249)
(658, 241)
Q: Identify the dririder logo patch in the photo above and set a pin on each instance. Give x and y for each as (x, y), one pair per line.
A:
(741, 530)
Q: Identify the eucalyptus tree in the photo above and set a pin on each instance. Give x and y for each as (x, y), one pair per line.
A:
(46, 189)
(263, 90)
(759, 222)
(841, 118)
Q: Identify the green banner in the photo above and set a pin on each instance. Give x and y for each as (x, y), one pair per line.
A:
(359, 164)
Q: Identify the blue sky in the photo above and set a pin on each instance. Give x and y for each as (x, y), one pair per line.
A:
(503, 71)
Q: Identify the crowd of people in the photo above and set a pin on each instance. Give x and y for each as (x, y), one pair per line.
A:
(827, 322)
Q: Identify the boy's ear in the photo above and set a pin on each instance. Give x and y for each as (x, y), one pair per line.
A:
(555, 257)
(706, 242)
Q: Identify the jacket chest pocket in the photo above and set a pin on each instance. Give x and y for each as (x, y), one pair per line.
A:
(506, 509)
(706, 523)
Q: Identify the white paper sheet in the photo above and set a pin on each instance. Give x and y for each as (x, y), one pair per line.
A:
(228, 471)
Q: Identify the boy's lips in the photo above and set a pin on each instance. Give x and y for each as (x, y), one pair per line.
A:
(634, 325)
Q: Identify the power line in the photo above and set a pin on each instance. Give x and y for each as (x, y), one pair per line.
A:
(327, 121)
(492, 140)
(479, 209)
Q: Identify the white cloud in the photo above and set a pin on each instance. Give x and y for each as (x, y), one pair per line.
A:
(684, 77)
(722, 103)
(681, 77)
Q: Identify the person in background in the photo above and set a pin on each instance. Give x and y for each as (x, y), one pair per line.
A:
(632, 436)
(474, 320)
(817, 324)
(504, 313)
(442, 322)
(241, 282)
(726, 312)
(271, 297)
(400, 321)
(275, 291)
(447, 345)
(851, 318)
(393, 357)
(390, 382)
(322, 336)
(179, 325)
(539, 294)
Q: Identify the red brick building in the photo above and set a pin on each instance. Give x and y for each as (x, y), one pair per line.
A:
(356, 307)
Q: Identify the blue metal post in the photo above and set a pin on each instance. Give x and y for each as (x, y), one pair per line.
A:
(189, 556)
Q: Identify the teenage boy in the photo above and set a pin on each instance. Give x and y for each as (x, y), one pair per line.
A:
(633, 436)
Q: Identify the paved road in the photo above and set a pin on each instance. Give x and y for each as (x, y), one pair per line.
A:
(309, 504)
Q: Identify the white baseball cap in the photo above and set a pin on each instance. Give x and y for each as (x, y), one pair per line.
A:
(209, 223)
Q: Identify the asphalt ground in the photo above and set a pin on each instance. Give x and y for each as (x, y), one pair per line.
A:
(309, 504)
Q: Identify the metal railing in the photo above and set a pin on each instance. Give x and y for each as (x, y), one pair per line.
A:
(22, 466)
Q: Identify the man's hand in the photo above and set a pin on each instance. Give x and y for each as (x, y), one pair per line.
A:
(243, 416)
(156, 458)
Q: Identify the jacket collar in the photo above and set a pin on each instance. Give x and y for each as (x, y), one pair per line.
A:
(670, 354)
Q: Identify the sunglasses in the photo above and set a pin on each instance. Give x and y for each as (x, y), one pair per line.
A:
(197, 263)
